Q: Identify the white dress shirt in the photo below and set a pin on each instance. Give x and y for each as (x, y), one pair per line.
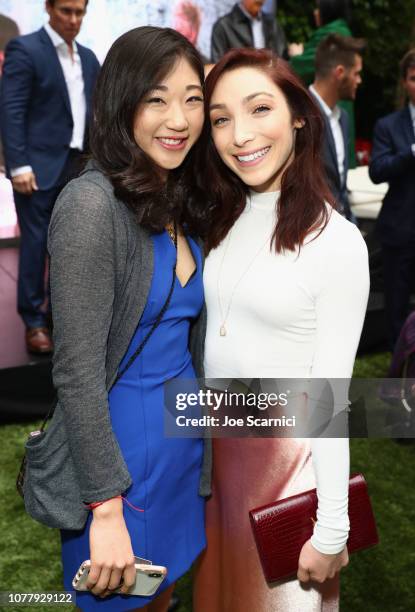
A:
(412, 111)
(333, 116)
(72, 71)
(257, 28)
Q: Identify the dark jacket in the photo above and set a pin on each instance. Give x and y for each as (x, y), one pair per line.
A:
(8, 30)
(35, 111)
(338, 187)
(392, 161)
(234, 30)
(101, 266)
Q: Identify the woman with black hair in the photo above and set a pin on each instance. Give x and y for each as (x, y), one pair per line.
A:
(126, 276)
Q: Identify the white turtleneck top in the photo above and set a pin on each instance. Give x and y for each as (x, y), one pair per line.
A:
(292, 315)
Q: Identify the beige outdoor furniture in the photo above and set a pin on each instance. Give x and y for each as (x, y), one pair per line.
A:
(365, 197)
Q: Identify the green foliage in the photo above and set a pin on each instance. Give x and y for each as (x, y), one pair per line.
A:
(372, 366)
(296, 18)
(389, 29)
(381, 579)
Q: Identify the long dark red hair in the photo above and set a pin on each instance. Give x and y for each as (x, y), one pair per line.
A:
(304, 192)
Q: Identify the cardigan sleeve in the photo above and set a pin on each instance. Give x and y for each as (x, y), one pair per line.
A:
(82, 277)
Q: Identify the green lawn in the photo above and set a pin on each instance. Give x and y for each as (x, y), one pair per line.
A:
(377, 580)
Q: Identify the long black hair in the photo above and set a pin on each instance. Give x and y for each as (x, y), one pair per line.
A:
(136, 62)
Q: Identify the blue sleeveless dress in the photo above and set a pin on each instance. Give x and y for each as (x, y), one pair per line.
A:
(165, 471)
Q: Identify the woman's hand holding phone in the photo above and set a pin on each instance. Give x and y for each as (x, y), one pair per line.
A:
(112, 557)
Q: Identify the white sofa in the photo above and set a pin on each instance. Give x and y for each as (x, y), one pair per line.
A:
(365, 197)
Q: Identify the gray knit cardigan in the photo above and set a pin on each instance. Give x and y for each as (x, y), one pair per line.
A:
(100, 270)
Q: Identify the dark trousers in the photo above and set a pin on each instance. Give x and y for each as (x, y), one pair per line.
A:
(33, 213)
(399, 276)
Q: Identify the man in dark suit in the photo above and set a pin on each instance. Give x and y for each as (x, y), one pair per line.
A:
(45, 105)
(247, 26)
(393, 161)
(337, 76)
(8, 30)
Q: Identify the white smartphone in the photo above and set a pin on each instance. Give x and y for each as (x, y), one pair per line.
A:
(148, 578)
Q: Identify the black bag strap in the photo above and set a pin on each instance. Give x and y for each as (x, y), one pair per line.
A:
(156, 322)
(144, 341)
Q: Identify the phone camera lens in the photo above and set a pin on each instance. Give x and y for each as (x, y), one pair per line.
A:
(155, 575)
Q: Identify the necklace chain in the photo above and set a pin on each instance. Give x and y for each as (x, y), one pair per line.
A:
(224, 317)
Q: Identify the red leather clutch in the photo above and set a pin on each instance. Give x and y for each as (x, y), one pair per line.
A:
(281, 528)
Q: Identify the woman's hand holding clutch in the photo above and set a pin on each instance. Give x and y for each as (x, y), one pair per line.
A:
(317, 566)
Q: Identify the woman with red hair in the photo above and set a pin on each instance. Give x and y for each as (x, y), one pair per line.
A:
(286, 285)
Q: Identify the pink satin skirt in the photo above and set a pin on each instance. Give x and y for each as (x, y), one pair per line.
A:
(248, 473)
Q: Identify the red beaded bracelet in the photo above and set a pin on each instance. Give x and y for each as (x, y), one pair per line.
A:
(96, 504)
